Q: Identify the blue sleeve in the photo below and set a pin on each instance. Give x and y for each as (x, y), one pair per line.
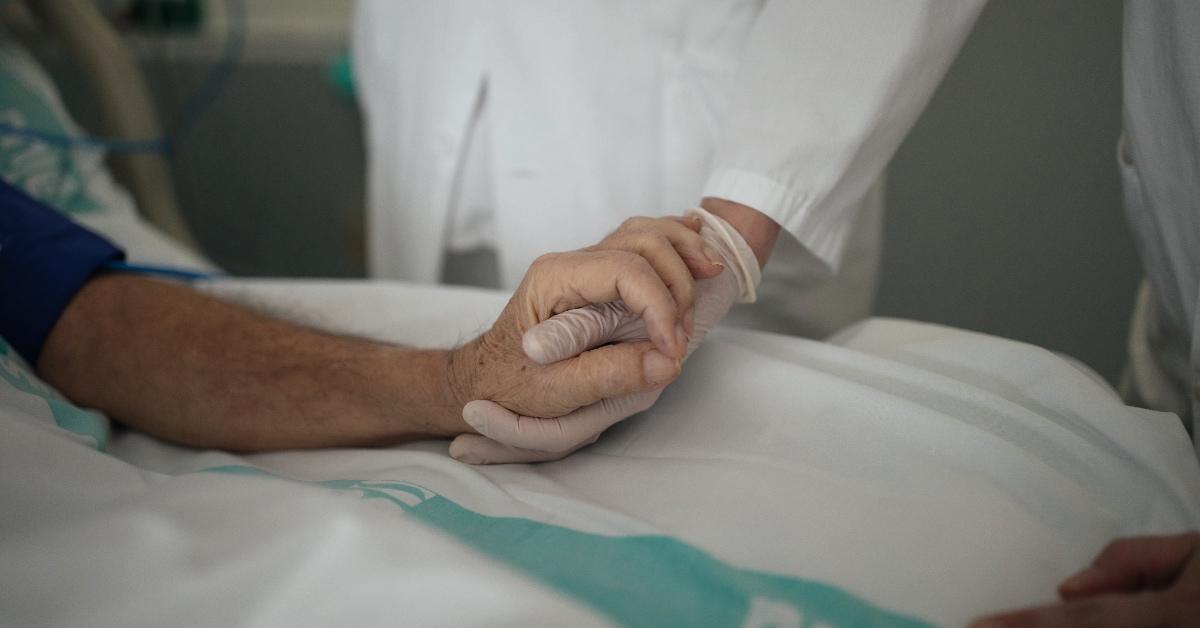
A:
(45, 258)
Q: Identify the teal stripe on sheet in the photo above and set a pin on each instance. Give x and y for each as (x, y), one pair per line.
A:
(67, 416)
(633, 580)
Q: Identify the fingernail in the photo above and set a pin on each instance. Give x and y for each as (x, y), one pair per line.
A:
(658, 368)
(712, 257)
(681, 340)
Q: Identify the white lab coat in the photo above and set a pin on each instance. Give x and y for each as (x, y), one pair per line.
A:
(1160, 175)
(598, 110)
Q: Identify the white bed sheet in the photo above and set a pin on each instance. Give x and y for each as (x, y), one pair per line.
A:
(912, 474)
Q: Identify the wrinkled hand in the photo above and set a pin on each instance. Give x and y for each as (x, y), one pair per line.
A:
(508, 434)
(632, 270)
(1143, 581)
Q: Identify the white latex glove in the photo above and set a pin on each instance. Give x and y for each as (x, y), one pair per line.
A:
(506, 437)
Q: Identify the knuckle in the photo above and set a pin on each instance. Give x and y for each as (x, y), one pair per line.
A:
(634, 223)
(631, 262)
(639, 240)
(544, 260)
(658, 239)
(684, 233)
(641, 265)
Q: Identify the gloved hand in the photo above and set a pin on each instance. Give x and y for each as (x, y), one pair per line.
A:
(494, 365)
(506, 436)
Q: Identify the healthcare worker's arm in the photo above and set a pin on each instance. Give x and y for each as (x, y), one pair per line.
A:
(824, 94)
(758, 229)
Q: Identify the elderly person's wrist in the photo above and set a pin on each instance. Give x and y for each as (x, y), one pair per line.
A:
(461, 385)
(378, 394)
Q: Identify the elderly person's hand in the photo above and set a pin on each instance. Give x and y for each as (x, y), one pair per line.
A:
(195, 370)
(1143, 581)
(647, 266)
(512, 433)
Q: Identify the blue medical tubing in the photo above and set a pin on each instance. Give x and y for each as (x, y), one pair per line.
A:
(162, 145)
(45, 259)
(168, 272)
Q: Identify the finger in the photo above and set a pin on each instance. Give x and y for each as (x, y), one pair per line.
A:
(571, 333)
(660, 252)
(610, 371)
(557, 435)
(560, 282)
(476, 449)
(691, 222)
(495, 421)
(1125, 611)
(684, 235)
(1128, 565)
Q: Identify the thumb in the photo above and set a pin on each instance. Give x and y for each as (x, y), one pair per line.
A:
(572, 332)
(559, 435)
(605, 372)
(476, 449)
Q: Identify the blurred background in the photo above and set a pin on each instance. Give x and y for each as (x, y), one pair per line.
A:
(1002, 207)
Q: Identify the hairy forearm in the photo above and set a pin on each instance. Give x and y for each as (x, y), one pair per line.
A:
(759, 231)
(191, 369)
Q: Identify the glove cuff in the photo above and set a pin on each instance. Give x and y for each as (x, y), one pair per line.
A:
(746, 264)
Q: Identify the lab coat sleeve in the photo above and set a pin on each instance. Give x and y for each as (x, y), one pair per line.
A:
(825, 92)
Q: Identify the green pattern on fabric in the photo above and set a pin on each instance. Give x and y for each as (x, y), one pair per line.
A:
(45, 172)
(67, 416)
(633, 580)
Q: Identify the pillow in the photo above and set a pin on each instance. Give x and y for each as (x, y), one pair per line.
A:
(74, 179)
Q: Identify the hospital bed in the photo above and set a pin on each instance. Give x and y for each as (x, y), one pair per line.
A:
(901, 474)
(127, 112)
